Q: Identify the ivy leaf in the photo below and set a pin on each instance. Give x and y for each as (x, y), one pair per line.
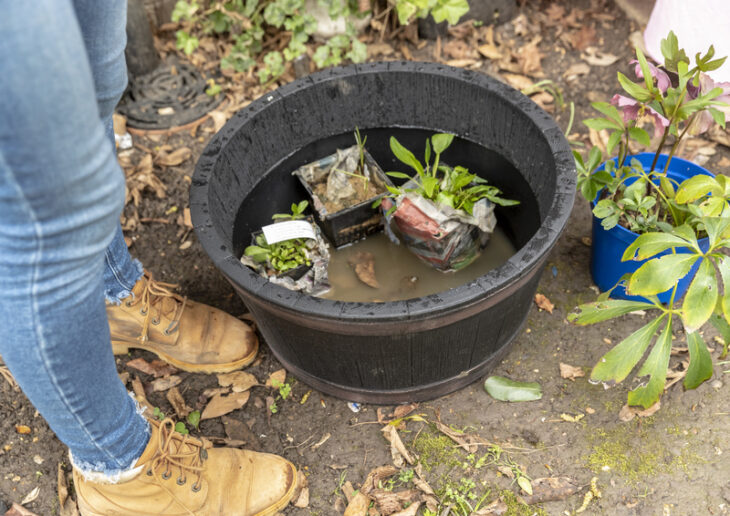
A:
(656, 367)
(598, 311)
(450, 10)
(405, 10)
(700, 361)
(614, 366)
(186, 42)
(660, 274)
(504, 389)
(701, 297)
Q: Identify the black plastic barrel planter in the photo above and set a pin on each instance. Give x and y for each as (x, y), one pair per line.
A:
(405, 350)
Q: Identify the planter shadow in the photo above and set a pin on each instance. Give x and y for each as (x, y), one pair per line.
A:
(399, 351)
(608, 246)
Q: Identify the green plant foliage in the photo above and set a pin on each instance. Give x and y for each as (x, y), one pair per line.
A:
(450, 186)
(504, 389)
(669, 217)
(246, 22)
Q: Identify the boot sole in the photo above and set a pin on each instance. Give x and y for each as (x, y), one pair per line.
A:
(121, 347)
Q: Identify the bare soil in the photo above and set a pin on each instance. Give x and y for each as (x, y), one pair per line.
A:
(671, 463)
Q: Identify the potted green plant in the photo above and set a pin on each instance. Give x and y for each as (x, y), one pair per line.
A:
(444, 214)
(343, 187)
(677, 215)
(291, 252)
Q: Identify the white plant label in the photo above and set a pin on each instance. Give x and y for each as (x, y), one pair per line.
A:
(288, 231)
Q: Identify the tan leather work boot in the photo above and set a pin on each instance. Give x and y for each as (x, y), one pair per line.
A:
(181, 476)
(191, 336)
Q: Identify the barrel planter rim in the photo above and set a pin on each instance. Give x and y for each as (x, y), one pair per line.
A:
(523, 263)
(679, 167)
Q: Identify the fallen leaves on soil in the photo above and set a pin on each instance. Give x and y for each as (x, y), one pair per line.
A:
(66, 504)
(571, 372)
(162, 384)
(628, 413)
(551, 489)
(178, 403)
(220, 405)
(398, 451)
(238, 381)
(544, 303)
(276, 378)
(19, 510)
(156, 368)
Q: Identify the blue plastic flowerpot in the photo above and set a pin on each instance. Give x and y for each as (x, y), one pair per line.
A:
(609, 245)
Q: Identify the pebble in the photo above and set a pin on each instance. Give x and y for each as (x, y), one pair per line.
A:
(717, 385)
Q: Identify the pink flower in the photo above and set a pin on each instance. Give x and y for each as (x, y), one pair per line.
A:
(662, 79)
(633, 110)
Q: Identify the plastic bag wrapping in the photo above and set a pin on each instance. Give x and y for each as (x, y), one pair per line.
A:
(340, 188)
(314, 281)
(443, 237)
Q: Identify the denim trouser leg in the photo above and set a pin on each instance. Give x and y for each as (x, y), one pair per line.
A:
(61, 192)
(103, 30)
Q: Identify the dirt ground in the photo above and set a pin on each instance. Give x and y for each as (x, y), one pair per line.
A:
(671, 463)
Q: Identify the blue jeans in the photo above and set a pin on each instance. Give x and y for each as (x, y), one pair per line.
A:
(62, 252)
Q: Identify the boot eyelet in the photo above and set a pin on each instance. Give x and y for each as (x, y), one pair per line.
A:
(166, 332)
(166, 475)
(196, 487)
(149, 472)
(143, 311)
(181, 481)
(155, 321)
(128, 303)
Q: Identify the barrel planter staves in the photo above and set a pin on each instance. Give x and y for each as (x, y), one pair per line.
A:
(396, 351)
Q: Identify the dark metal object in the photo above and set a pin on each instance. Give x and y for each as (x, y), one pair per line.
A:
(140, 51)
(403, 350)
(171, 95)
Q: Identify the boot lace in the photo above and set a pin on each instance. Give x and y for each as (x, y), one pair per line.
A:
(153, 299)
(177, 452)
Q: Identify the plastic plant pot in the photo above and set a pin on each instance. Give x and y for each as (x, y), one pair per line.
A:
(397, 351)
(609, 245)
(351, 224)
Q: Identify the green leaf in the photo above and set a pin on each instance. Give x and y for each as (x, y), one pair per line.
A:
(700, 361)
(525, 485)
(697, 186)
(724, 266)
(405, 156)
(640, 136)
(504, 389)
(441, 142)
(656, 367)
(610, 111)
(613, 141)
(405, 10)
(701, 297)
(450, 10)
(660, 274)
(180, 428)
(718, 116)
(602, 123)
(637, 92)
(590, 313)
(648, 79)
(399, 175)
(649, 244)
(194, 418)
(614, 366)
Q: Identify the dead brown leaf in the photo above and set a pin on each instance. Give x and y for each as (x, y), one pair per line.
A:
(595, 58)
(187, 219)
(544, 100)
(174, 158)
(364, 265)
(67, 506)
(467, 441)
(576, 70)
(348, 491)
(219, 119)
(719, 135)
(380, 49)
(162, 384)
(490, 51)
(403, 410)
(571, 372)
(239, 381)
(517, 81)
(551, 489)
(358, 506)
(497, 508)
(398, 451)
(221, 405)
(412, 510)
(19, 510)
(178, 403)
(156, 368)
(458, 49)
(599, 138)
(583, 38)
(628, 413)
(544, 303)
(555, 12)
(301, 498)
(276, 378)
(376, 476)
(462, 63)
(392, 502)
(528, 58)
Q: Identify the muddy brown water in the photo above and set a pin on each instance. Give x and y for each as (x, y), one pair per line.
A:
(403, 276)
